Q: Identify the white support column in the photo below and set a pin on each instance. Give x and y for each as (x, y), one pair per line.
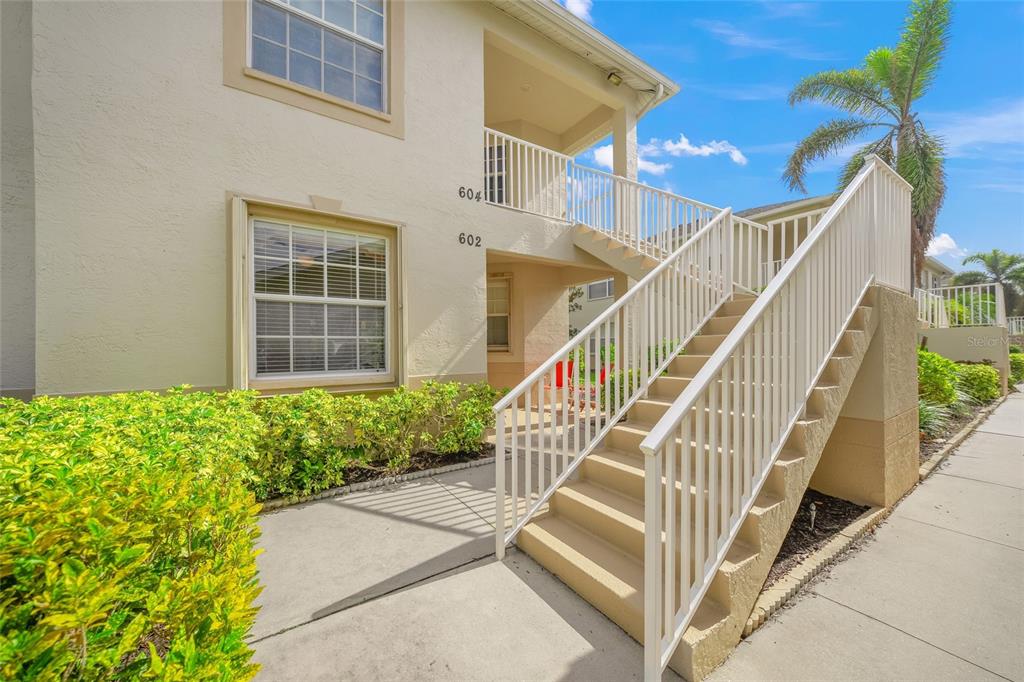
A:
(624, 154)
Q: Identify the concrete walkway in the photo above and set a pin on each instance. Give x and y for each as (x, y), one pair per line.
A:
(937, 594)
(400, 584)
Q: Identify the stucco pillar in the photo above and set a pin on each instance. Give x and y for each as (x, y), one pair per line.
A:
(624, 154)
(871, 456)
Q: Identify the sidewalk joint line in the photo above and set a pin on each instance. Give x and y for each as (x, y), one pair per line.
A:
(977, 480)
(369, 599)
(960, 532)
(908, 634)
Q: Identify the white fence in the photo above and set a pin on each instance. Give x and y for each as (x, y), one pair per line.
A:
(558, 414)
(526, 177)
(1015, 325)
(733, 418)
(970, 305)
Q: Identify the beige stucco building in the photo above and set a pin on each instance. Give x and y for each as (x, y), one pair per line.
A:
(271, 195)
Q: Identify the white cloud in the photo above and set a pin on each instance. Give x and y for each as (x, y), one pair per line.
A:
(683, 147)
(655, 148)
(996, 130)
(1015, 188)
(944, 245)
(604, 157)
(747, 42)
(581, 8)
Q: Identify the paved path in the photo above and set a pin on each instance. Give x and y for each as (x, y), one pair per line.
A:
(937, 594)
(400, 584)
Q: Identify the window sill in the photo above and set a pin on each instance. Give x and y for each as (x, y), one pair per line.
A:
(250, 72)
(321, 380)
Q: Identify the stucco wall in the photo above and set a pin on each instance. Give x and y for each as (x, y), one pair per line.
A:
(971, 344)
(17, 225)
(138, 143)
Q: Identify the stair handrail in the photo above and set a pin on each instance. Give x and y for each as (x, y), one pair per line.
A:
(642, 332)
(806, 306)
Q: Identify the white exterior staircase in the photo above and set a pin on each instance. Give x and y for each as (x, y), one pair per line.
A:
(660, 484)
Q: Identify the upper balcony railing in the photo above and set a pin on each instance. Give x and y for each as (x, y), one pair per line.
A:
(971, 305)
(527, 177)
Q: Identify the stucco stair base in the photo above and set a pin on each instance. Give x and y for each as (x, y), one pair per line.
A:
(618, 254)
(592, 535)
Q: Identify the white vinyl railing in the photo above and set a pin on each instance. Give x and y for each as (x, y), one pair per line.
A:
(1015, 325)
(931, 309)
(786, 234)
(751, 246)
(720, 438)
(969, 305)
(552, 420)
(527, 177)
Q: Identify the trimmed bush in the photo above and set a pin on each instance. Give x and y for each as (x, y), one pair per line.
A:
(936, 378)
(127, 537)
(1016, 368)
(1015, 349)
(313, 439)
(981, 382)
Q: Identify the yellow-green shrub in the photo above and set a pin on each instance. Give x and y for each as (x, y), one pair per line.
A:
(936, 378)
(980, 382)
(314, 439)
(1016, 368)
(127, 537)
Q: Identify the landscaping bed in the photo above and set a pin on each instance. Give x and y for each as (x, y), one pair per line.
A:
(421, 461)
(831, 515)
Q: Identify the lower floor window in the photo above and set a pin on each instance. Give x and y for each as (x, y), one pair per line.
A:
(321, 300)
(498, 306)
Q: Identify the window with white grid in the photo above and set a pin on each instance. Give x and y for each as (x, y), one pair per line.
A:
(498, 310)
(321, 303)
(603, 289)
(334, 46)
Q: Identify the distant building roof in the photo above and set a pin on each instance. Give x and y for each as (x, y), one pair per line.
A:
(774, 208)
(938, 266)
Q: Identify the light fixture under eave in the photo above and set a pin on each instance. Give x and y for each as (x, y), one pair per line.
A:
(615, 79)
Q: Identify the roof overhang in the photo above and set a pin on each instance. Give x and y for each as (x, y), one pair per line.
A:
(938, 265)
(561, 26)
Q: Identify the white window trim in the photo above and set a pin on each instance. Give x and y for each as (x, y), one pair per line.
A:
(328, 26)
(610, 289)
(290, 379)
(507, 348)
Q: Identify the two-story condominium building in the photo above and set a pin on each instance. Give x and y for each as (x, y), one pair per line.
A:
(278, 194)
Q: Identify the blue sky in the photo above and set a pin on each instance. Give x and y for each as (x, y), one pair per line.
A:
(725, 137)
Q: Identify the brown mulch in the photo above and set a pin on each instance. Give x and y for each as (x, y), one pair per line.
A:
(831, 516)
(425, 459)
(930, 446)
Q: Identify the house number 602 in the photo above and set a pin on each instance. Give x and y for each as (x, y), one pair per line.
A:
(469, 239)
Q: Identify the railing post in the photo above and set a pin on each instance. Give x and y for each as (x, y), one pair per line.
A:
(727, 225)
(652, 567)
(1000, 306)
(499, 485)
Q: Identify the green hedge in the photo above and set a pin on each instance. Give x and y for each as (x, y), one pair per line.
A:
(936, 378)
(127, 522)
(980, 382)
(126, 537)
(313, 439)
(1016, 368)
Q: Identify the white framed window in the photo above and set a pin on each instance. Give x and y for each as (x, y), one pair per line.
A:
(320, 301)
(494, 173)
(598, 290)
(499, 298)
(334, 46)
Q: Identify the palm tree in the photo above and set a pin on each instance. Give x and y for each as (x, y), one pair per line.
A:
(998, 266)
(880, 96)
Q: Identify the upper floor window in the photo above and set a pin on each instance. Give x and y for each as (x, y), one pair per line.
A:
(334, 46)
(603, 289)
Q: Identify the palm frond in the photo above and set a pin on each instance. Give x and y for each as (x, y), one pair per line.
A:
(855, 91)
(970, 277)
(920, 48)
(823, 141)
(920, 162)
(883, 148)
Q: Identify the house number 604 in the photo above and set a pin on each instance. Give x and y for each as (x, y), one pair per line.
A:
(469, 239)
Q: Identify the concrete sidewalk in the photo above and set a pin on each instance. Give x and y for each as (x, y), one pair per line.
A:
(401, 584)
(937, 594)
